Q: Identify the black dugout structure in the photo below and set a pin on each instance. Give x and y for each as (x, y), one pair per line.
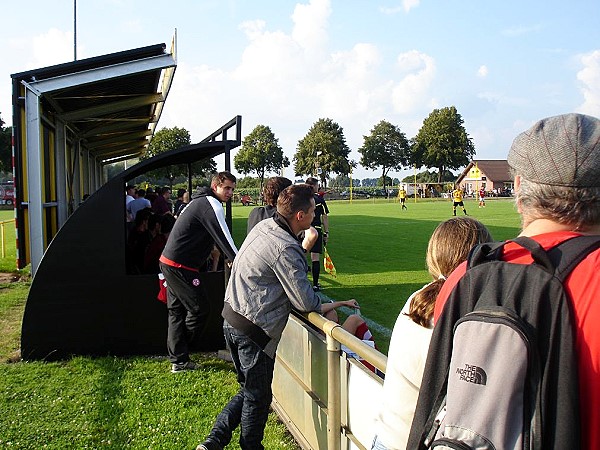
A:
(83, 302)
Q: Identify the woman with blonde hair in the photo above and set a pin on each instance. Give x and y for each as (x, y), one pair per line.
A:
(449, 246)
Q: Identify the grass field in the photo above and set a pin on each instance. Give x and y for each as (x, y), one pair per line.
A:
(135, 403)
(379, 250)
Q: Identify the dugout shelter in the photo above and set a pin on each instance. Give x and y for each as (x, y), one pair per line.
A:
(69, 121)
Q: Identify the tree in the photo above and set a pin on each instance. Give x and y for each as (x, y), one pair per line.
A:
(5, 147)
(260, 153)
(167, 139)
(430, 177)
(442, 142)
(323, 151)
(386, 147)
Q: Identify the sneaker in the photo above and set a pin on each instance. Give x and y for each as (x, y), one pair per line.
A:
(317, 287)
(180, 367)
(208, 445)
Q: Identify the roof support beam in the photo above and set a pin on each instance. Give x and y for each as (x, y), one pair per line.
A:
(117, 139)
(110, 108)
(104, 73)
(34, 177)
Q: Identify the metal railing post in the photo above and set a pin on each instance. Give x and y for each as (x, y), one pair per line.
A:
(334, 413)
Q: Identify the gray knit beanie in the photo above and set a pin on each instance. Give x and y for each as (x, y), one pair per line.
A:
(559, 151)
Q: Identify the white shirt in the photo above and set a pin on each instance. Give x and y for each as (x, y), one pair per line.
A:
(406, 360)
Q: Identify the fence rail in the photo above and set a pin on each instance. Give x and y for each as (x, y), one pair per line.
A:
(326, 398)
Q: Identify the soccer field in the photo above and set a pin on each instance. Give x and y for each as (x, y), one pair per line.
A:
(379, 250)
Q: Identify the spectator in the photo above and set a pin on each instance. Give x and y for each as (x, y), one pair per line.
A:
(198, 228)
(556, 168)
(162, 204)
(178, 201)
(151, 195)
(268, 280)
(137, 242)
(448, 247)
(271, 192)
(185, 199)
(138, 203)
(157, 244)
(129, 197)
(273, 187)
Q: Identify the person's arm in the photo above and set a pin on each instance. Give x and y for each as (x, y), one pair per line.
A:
(217, 227)
(326, 307)
(310, 237)
(290, 269)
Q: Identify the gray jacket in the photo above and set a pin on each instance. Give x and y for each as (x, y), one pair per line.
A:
(268, 279)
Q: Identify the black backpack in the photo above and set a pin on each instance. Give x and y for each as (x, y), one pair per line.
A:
(501, 372)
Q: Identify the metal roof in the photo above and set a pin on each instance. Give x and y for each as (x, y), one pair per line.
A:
(111, 103)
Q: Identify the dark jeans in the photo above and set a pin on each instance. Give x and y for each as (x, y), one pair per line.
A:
(250, 406)
(188, 310)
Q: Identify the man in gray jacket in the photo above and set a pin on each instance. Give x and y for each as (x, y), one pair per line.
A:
(268, 279)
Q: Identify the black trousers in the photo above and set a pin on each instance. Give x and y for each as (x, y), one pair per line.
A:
(188, 309)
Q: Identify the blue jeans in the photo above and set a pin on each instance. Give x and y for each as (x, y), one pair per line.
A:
(250, 406)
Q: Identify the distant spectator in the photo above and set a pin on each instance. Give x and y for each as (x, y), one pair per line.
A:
(156, 246)
(151, 195)
(140, 202)
(162, 204)
(184, 203)
(129, 197)
(137, 242)
(179, 200)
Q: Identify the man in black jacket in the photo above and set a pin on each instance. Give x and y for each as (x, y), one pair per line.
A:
(197, 229)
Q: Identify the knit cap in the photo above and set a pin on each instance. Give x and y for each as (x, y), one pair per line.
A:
(559, 151)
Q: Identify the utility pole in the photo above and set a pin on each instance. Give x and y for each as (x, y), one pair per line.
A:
(74, 30)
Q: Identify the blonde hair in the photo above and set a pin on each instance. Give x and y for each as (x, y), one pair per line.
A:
(448, 246)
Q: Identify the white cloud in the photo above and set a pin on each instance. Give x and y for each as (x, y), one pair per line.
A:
(483, 71)
(406, 6)
(310, 24)
(589, 78)
(521, 30)
(413, 89)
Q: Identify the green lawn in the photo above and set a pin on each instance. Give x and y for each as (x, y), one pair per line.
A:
(136, 403)
(379, 250)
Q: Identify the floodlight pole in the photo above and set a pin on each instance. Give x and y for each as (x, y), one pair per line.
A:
(74, 30)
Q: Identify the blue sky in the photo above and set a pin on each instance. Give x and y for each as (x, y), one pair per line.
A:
(285, 64)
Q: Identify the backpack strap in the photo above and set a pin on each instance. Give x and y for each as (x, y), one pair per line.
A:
(568, 254)
(492, 251)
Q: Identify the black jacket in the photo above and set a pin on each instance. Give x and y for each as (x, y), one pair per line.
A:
(199, 226)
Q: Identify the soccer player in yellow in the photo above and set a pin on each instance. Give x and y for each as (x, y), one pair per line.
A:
(402, 197)
(457, 198)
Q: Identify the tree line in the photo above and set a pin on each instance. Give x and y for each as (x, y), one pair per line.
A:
(442, 143)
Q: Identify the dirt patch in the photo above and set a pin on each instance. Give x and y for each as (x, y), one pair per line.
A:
(11, 277)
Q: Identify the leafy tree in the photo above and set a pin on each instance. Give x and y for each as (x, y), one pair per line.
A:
(247, 182)
(323, 151)
(384, 182)
(443, 142)
(167, 139)
(260, 153)
(386, 147)
(5, 147)
(369, 182)
(430, 177)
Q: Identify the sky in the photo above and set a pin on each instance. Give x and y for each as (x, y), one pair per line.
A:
(286, 64)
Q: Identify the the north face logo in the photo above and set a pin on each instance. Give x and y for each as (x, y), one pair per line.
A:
(472, 374)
